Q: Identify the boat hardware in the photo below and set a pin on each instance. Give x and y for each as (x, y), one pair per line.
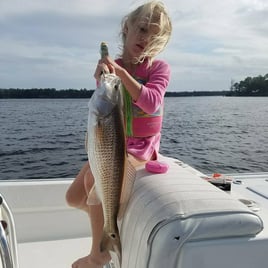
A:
(8, 241)
(251, 204)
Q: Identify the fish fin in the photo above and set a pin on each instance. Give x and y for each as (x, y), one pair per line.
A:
(111, 242)
(93, 198)
(127, 187)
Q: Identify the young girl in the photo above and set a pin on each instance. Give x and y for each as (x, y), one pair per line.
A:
(145, 33)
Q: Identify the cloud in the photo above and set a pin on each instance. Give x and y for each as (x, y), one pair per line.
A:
(216, 41)
(55, 43)
(52, 48)
(55, 29)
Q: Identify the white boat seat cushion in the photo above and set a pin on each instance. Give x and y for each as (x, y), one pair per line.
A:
(194, 208)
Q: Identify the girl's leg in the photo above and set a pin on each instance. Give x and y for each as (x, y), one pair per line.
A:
(76, 196)
(96, 258)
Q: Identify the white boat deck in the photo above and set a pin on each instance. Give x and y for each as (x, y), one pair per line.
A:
(52, 254)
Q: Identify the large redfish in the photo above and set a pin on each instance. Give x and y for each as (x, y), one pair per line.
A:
(114, 176)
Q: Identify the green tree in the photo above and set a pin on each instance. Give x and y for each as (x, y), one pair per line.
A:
(250, 86)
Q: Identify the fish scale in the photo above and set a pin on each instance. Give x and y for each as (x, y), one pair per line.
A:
(113, 175)
(110, 152)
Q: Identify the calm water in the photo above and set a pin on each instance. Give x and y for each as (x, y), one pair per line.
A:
(45, 137)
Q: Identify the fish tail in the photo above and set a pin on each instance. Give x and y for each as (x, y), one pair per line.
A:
(111, 242)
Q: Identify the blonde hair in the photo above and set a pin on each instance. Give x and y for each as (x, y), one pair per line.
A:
(155, 14)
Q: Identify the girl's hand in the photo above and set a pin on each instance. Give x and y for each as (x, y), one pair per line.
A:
(113, 66)
(107, 65)
(130, 84)
(100, 69)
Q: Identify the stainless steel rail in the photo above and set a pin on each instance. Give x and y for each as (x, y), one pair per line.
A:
(8, 240)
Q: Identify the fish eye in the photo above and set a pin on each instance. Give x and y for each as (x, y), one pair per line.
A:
(117, 85)
(113, 236)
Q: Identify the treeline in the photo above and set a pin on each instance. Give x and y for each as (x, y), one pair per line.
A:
(196, 93)
(14, 93)
(251, 86)
(45, 93)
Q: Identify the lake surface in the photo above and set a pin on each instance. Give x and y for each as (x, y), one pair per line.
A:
(44, 138)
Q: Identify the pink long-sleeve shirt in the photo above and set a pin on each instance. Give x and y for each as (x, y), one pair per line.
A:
(151, 98)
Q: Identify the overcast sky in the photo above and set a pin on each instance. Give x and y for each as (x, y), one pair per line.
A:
(55, 43)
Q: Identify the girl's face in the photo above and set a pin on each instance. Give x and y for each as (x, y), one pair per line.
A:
(138, 36)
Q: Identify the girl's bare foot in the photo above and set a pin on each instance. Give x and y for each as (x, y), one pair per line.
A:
(90, 262)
